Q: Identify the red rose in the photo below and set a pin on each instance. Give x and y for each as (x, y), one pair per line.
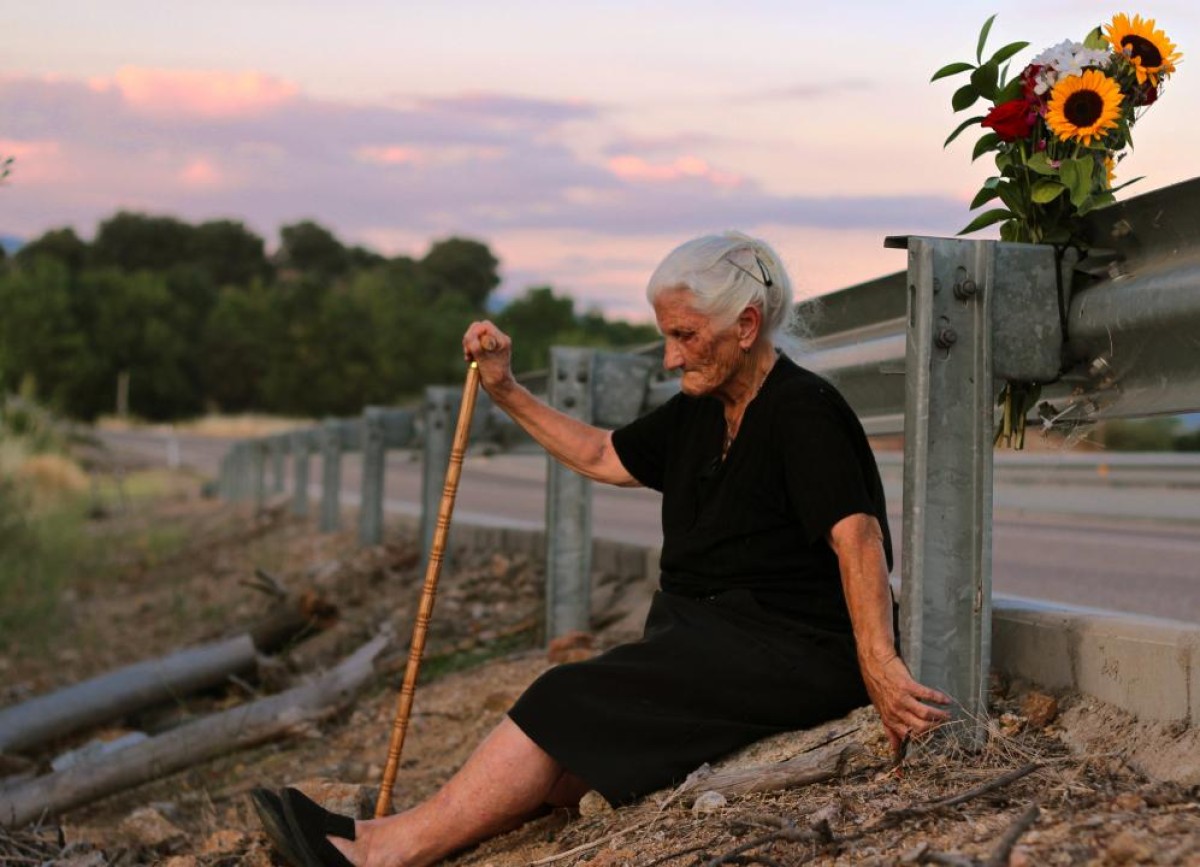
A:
(1147, 94)
(1011, 120)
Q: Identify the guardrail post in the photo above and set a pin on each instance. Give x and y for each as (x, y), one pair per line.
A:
(231, 477)
(223, 477)
(370, 512)
(569, 502)
(441, 412)
(258, 470)
(948, 431)
(331, 475)
(279, 447)
(301, 441)
(978, 312)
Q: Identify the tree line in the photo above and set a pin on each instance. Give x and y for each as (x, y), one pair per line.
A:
(199, 318)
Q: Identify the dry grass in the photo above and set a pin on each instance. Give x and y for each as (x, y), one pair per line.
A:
(48, 477)
(223, 426)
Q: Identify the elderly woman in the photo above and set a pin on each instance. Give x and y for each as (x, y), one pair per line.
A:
(775, 611)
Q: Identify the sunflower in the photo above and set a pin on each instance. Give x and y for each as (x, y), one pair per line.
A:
(1110, 171)
(1150, 51)
(1084, 106)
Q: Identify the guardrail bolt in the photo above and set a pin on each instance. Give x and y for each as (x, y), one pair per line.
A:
(965, 289)
(946, 337)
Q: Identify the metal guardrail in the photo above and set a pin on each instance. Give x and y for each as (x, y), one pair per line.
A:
(921, 352)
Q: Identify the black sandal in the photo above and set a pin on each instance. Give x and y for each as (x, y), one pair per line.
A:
(269, 807)
(308, 824)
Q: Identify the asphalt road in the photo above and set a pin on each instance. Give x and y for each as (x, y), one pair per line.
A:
(1124, 548)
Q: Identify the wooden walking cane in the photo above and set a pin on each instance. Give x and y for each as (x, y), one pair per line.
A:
(432, 570)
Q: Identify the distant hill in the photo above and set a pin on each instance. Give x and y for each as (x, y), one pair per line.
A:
(11, 243)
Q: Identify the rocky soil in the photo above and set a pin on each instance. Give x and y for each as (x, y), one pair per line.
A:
(1059, 780)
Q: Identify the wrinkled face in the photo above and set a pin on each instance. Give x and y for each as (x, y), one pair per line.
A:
(708, 358)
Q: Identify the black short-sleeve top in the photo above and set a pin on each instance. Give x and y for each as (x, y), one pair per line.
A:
(758, 520)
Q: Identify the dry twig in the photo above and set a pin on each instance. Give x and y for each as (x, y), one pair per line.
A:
(899, 814)
(999, 857)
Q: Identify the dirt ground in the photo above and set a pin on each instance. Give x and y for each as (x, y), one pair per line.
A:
(1093, 804)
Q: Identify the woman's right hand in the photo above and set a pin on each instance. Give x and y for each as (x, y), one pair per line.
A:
(491, 349)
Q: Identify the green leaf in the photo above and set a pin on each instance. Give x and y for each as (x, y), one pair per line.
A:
(1009, 92)
(1127, 183)
(992, 182)
(1004, 161)
(1095, 39)
(984, 196)
(1008, 232)
(1010, 194)
(1007, 51)
(966, 123)
(987, 142)
(1040, 163)
(1046, 190)
(964, 97)
(987, 218)
(952, 69)
(983, 35)
(1076, 174)
(983, 79)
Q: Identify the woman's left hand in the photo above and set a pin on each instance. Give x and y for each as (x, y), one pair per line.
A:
(905, 706)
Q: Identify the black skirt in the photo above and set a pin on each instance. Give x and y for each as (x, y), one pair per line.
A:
(708, 676)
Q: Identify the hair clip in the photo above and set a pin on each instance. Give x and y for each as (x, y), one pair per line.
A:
(765, 279)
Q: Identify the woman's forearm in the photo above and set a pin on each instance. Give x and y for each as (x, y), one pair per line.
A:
(579, 446)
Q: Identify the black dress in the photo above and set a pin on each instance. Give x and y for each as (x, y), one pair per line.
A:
(750, 634)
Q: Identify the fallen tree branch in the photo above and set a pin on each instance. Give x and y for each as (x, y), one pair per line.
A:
(999, 857)
(802, 770)
(123, 691)
(899, 814)
(206, 738)
(135, 687)
(818, 832)
(594, 843)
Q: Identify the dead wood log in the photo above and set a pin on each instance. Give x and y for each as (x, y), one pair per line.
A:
(802, 770)
(218, 734)
(144, 684)
(294, 618)
(121, 692)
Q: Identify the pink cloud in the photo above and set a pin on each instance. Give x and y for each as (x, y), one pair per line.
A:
(35, 161)
(28, 149)
(389, 155)
(397, 155)
(634, 168)
(201, 173)
(205, 93)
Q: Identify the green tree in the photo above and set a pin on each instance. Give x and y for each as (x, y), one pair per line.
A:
(61, 245)
(229, 252)
(312, 249)
(236, 348)
(134, 242)
(139, 331)
(1141, 435)
(40, 339)
(536, 321)
(462, 266)
(1188, 442)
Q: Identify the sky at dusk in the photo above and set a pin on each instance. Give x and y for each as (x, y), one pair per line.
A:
(580, 140)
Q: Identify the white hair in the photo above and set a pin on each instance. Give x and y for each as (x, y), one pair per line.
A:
(728, 273)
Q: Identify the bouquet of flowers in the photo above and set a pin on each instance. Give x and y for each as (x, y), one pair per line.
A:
(1059, 128)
